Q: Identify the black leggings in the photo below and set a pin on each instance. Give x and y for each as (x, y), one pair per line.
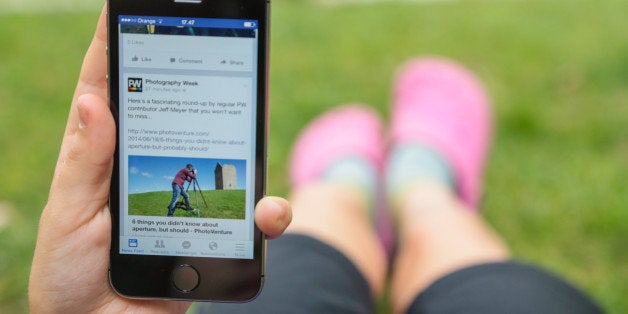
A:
(305, 275)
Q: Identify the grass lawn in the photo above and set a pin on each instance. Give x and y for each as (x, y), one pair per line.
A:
(557, 72)
(224, 204)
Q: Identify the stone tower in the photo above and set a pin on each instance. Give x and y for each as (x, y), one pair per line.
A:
(226, 177)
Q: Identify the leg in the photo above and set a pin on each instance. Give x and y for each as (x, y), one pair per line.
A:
(330, 260)
(447, 255)
(176, 190)
(344, 148)
(186, 197)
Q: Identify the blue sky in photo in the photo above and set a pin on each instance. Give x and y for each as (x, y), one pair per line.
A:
(151, 173)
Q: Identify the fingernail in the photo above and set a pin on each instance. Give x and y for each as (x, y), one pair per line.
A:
(82, 112)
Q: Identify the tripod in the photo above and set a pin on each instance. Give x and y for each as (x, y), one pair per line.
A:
(197, 190)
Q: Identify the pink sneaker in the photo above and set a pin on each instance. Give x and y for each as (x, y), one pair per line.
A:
(439, 103)
(350, 130)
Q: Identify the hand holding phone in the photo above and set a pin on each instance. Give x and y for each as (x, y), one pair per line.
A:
(71, 257)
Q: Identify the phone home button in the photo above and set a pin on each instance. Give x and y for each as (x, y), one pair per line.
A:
(185, 278)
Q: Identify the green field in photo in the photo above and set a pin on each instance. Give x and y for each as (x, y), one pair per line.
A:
(221, 204)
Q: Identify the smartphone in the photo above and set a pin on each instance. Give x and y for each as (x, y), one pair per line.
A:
(188, 89)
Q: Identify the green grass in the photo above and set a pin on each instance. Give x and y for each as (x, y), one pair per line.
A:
(224, 204)
(557, 72)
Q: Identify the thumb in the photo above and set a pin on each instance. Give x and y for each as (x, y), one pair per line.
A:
(80, 187)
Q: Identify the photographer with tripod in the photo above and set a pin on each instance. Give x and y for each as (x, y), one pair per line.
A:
(186, 174)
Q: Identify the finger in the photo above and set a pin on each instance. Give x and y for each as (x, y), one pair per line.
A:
(80, 187)
(93, 77)
(273, 215)
(94, 70)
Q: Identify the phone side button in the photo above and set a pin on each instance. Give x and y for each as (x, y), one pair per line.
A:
(185, 278)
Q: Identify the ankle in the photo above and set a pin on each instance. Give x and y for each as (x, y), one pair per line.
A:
(356, 175)
(420, 203)
(413, 162)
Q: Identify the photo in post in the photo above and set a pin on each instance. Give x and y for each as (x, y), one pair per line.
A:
(186, 187)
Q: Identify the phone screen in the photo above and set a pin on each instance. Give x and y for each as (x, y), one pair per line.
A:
(187, 136)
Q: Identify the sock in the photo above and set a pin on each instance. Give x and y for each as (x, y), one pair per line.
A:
(358, 172)
(411, 162)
